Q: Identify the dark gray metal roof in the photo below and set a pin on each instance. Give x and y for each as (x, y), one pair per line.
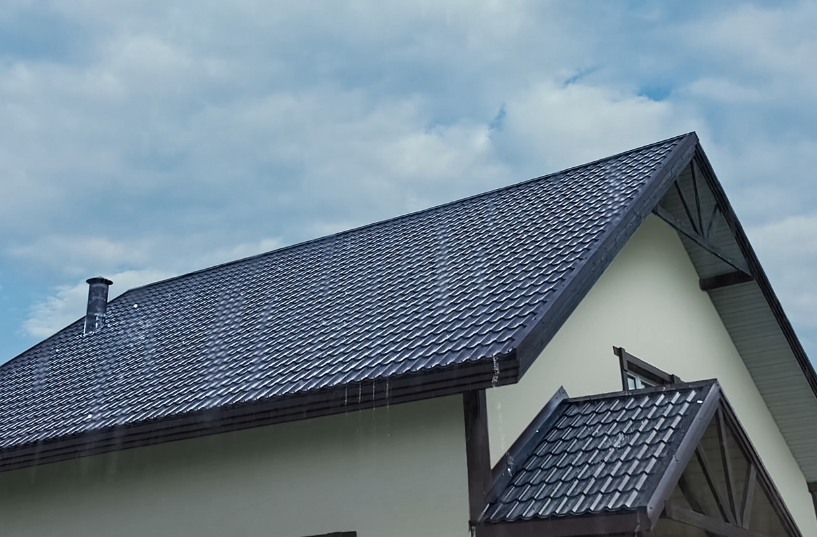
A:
(598, 454)
(456, 284)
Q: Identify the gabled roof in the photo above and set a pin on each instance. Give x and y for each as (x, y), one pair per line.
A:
(610, 463)
(458, 297)
(597, 454)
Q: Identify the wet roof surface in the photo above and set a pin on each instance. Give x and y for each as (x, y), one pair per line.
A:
(448, 285)
(599, 454)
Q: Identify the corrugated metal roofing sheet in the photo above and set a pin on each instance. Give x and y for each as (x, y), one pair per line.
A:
(448, 285)
(599, 454)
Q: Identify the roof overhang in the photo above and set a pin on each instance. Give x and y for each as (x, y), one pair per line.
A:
(580, 439)
(437, 382)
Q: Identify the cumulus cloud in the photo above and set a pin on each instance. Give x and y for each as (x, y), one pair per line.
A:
(67, 303)
(156, 138)
(788, 251)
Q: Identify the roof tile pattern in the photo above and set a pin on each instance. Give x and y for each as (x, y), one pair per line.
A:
(448, 285)
(599, 454)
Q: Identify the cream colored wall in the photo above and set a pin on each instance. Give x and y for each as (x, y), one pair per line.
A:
(396, 472)
(648, 301)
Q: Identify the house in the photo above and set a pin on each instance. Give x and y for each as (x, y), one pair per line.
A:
(592, 352)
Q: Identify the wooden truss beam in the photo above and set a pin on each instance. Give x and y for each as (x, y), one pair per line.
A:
(724, 280)
(812, 487)
(692, 234)
(477, 452)
(708, 524)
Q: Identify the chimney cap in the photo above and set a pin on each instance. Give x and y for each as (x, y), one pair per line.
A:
(99, 279)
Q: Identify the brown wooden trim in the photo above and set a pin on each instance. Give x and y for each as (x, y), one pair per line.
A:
(530, 342)
(599, 524)
(350, 398)
(755, 269)
(763, 478)
(693, 235)
(723, 505)
(630, 363)
(683, 454)
(701, 229)
(726, 460)
(477, 452)
(724, 280)
(686, 207)
(748, 498)
(692, 499)
(709, 524)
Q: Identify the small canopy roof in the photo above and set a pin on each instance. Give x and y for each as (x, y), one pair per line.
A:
(673, 460)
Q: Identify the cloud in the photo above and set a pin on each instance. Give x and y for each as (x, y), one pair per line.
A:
(788, 251)
(163, 137)
(567, 125)
(68, 303)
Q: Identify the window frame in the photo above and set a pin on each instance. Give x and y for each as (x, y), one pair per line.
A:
(630, 364)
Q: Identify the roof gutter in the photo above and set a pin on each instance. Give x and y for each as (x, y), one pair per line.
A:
(438, 382)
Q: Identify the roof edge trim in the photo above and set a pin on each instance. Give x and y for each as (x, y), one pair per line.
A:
(603, 524)
(380, 392)
(534, 338)
(413, 213)
(683, 454)
(519, 451)
(756, 268)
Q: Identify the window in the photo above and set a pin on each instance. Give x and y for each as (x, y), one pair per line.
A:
(637, 374)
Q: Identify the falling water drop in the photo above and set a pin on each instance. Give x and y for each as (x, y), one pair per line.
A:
(495, 378)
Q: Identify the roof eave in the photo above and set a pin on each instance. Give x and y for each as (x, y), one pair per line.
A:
(424, 384)
(627, 523)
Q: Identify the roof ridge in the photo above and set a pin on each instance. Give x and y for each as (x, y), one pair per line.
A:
(408, 215)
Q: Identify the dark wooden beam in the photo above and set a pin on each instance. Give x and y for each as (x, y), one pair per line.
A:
(812, 487)
(689, 232)
(477, 452)
(701, 229)
(724, 280)
(706, 523)
(686, 207)
(723, 505)
(600, 524)
(726, 460)
(748, 495)
(764, 481)
(689, 495)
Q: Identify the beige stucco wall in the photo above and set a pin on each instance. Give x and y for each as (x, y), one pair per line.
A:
(648, 301)
(397, 471)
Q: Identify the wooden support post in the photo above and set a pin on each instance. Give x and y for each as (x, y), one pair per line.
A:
(477, 452)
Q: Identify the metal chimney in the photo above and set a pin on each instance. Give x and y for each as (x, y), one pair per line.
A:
(97, 304)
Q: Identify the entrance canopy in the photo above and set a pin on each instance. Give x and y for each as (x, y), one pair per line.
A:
(666, 461)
